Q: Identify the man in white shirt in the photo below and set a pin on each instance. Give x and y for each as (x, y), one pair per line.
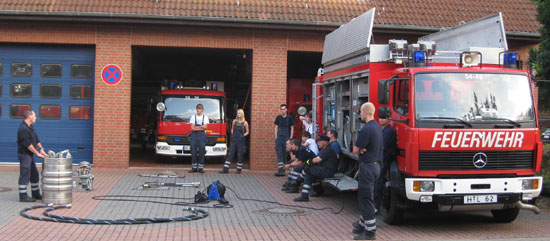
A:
(307, 120)
(199, 123)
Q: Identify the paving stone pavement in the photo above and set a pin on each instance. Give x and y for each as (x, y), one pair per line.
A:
(243, 221)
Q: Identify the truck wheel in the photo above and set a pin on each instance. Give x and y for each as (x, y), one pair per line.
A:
(391, 213)
(505, 215)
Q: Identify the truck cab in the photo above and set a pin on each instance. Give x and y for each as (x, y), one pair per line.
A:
(175, 109)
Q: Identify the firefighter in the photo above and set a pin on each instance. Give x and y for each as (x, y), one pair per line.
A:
(299, 156)
(199, 122)
(333, 135)
(307, 121)
(27, 145)
(239, 131)
(284, 126)
(390, 140)
(322, 166)
(369, 147)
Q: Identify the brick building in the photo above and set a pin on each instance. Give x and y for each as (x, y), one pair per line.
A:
(140, 36)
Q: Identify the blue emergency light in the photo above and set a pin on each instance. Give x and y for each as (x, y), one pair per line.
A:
(510, 60)
(419, 57)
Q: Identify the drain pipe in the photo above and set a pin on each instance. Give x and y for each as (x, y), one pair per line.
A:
(530, 207)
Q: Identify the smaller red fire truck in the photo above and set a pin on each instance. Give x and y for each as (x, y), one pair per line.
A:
(175, 108)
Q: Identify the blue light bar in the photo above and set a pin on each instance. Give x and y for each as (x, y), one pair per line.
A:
(419, 57)
(510, 59)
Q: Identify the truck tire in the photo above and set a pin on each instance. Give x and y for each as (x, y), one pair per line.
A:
(391, 212)
(505, 215)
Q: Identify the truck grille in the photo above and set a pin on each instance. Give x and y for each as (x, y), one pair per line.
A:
(463, 160)
(184, 140)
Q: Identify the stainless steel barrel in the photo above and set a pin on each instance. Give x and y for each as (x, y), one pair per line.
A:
(57, 180)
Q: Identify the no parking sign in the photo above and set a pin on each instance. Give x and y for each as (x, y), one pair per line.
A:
(111, 74)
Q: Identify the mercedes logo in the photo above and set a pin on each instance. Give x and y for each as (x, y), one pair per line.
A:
(480, 160)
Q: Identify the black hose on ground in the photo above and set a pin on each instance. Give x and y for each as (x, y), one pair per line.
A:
(196, 215)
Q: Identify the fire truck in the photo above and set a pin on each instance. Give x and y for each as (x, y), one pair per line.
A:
(462, 109)
(175, 108)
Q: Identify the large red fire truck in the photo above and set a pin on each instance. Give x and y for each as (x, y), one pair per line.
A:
(175, 107)
(464, 115)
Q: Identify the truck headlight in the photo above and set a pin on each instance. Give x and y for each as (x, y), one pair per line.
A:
(530, 184)
(423, 186)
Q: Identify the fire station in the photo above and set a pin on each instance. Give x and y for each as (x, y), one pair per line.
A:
(91, 70)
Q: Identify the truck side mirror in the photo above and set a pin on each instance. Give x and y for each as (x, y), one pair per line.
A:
(161, 107)
(384, 112)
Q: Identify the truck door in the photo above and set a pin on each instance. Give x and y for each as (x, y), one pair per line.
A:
(401, 114)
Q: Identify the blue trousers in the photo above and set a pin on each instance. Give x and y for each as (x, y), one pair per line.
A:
(313, 175)
(280, 148)
(27, 172)
(198, 141)
(239, 147)
(368, 173)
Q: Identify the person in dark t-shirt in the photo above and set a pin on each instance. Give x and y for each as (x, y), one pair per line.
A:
(284, 126)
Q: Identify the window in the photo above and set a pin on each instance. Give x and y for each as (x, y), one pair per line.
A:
(401, 97)
(50, 91)
(50, 111)
(50, 70)
(81, 92)
(80, 112)
(21, 90)
(21, 69)
(81, 71)
(17, 110)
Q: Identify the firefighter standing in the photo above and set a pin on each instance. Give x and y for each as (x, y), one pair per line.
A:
(239, 131)
(370, 149)
(390, 141)
(284, 126)
(27, 145)
(199, 122)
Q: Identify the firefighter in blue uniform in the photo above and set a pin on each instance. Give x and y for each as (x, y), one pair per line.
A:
(284, 126)
(390, 142)
(369, 146)
(199, 122)
(28, 145)
(318, 168)
(299, 155)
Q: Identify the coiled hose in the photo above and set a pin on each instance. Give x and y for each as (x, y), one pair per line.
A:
(197, 214)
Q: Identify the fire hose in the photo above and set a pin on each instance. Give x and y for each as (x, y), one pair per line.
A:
(196, 215)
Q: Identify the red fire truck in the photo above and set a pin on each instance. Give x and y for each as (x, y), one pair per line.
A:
(464, 115)
(175, 107)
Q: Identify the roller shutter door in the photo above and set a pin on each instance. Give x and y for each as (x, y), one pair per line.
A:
(57, 83)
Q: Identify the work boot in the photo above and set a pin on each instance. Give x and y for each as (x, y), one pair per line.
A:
(358, 230)
(285, 186)
(26, 199)
(224, 171)
(365, 236)
(239, 171)
(201, 170)
(193, 170)
(36, 195)
(301, 199)
(293, 188)
(356, 225)
(280, 173)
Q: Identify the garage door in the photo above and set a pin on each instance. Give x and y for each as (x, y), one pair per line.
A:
(56, 82)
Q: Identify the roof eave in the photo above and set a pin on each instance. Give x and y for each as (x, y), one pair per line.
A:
(99, 17)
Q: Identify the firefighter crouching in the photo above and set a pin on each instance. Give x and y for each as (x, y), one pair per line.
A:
(299, 155)
(318, 168)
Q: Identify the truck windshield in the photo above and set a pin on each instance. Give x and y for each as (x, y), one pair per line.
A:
(473, 97)
(180, 108)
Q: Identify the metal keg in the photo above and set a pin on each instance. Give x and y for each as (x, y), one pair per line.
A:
(57, 178)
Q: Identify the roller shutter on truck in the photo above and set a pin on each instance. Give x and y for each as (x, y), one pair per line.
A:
(57, 83)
